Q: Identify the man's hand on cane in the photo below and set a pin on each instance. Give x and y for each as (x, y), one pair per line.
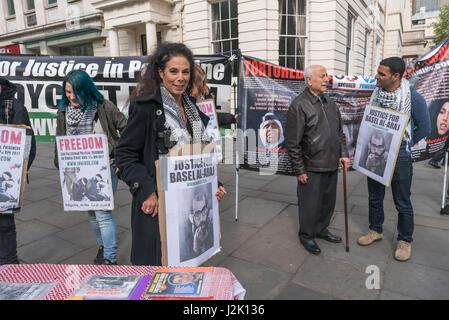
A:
(344, 163)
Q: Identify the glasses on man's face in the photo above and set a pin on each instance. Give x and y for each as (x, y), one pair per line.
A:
(201, 213)
(379, 147)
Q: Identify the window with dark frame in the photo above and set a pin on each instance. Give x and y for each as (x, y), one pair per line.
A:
(349, 40)
(430, 5)
(292, 33)
(84, 49)
(30, 5)
(11, 8)
(143, 42)
(225, 35)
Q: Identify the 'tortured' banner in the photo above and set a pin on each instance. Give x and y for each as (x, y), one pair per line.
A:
(266, 91)
(39, 82)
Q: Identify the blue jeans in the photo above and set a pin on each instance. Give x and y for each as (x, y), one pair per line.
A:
(104, 226)
(400, 187)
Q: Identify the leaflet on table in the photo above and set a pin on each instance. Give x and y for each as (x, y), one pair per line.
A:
(85, 172)
(112, 287)
(12, 154)
(176, 284)
(24, 291)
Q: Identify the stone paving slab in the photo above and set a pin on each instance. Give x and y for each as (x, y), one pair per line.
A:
(254, 212)
(50, 249)
(275, 246)
(335, 278)
(33, 230)
(260, 282)
(417, 281)
(297, 292)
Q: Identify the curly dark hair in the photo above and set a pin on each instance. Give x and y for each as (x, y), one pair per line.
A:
(150, 80)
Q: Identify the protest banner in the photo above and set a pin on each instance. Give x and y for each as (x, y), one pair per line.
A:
(13, 166)
(85, 172)
(379, 139)
(265, 94)
(429, 75)
(38, 80)
(213, 130)
(188, 224)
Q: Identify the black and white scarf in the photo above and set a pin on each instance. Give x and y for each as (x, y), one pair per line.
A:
(79, 122)
(175, 122)
(399, 100)
(6, 110)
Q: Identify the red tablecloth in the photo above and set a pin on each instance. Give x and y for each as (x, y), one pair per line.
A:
(219, 284)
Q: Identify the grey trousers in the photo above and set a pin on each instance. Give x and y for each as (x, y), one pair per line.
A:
(316, 203)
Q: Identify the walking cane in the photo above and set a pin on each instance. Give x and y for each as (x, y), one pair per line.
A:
(443, 200)
(346, 208)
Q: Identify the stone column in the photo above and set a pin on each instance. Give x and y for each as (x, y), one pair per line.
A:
(114, 47)
(151, 36)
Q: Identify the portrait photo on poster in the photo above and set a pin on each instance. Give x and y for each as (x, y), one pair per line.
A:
(196, 225)
(375, 151)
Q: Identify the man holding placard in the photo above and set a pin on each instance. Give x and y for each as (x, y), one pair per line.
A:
(394, 93)
(12, 112)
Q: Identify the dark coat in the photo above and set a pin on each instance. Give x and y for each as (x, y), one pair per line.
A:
(135, 155)
(314, 135)
(19, 114)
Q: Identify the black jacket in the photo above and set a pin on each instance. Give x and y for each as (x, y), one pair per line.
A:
(135, 154)
(314, 136)
(19, 114)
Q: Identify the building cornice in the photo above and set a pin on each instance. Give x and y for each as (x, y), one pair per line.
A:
(44, 28)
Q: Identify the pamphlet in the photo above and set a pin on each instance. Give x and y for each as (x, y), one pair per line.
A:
(113, 287)
(24, 291)
(176, 284)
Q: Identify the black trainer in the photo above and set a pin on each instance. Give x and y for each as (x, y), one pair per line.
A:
(434, 164)
(107, 262)
(445, 210)
(99, 258)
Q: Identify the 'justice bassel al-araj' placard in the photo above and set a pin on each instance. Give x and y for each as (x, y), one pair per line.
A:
(380, 136)
(188, 208)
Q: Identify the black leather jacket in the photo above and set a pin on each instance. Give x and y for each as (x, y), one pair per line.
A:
(314, 136)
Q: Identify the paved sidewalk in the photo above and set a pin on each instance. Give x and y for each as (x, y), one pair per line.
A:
(262, 248)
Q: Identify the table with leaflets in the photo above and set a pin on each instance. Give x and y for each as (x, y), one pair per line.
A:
(60, 282)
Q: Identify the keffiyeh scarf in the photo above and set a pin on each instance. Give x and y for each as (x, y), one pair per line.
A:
(175, 122)
(79, 122)
(399, 100)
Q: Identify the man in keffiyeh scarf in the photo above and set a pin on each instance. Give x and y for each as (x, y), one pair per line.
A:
(394, 92)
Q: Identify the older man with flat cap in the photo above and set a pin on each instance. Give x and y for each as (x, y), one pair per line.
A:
(316, 145)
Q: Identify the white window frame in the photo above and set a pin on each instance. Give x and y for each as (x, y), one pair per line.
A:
(7, 15)
(350, 49)
(221, 40)
(48, 5)
(25, 6)
(297, 36)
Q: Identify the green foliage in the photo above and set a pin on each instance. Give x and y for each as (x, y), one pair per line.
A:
(441, 28)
